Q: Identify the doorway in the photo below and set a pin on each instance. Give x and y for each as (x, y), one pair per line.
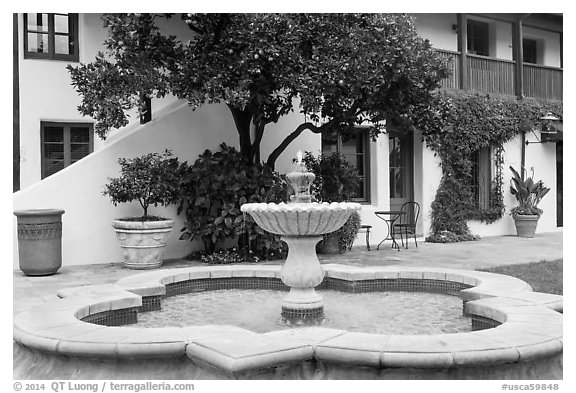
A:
(559, 183)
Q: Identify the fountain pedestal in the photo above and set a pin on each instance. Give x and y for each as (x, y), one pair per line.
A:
(302, 272)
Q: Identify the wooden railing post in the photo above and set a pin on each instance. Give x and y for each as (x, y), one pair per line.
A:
(463, 49)
(519, 57)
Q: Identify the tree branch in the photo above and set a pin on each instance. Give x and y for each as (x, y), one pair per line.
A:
(352, 112)
(290, 138)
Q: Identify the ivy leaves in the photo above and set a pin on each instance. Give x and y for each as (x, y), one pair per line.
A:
(469, 122)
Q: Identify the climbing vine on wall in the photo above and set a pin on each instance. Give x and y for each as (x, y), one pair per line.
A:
(474, 122)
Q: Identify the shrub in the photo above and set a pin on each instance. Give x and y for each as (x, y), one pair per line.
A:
(152, 179)
(336, 181)
(214, 188)
(348, 232)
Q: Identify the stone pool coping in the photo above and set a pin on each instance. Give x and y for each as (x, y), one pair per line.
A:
(531, 325)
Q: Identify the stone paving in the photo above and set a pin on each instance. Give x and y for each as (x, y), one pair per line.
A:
(487, 252)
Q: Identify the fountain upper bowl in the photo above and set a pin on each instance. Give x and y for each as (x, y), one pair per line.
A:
(300, 219)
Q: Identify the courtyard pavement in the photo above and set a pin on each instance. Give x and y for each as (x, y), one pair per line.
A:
(487, 252)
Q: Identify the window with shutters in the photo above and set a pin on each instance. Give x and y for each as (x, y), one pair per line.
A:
(51, 36)
(482, 177)
(63, 144)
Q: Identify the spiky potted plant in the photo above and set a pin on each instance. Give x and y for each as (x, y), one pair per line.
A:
(528, 193)
(152, 180)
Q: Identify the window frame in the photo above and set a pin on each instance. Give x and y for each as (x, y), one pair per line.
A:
(51, 54)
(67, 126)
(364, 132)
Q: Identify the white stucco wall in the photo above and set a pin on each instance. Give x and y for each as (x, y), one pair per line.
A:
(46, 94)
(540, 156)
(438, 29)
(87, 234)
(430, 176)
(548, 51)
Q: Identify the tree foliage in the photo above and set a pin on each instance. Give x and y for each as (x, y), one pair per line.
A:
(152, 179)
(346, 70)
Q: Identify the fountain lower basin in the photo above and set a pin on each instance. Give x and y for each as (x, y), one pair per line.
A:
(525, 342)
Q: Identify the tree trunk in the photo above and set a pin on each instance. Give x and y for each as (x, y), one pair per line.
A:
(243, 120)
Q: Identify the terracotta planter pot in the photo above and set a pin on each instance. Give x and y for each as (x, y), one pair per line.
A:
(143, 242)
(39, 241)
(526, 225)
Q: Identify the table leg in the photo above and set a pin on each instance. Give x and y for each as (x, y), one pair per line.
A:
(387, 235)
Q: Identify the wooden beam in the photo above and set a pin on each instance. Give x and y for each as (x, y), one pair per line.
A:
(16, 108)
(562, 50)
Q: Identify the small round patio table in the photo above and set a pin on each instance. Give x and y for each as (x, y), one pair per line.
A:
(389, 217)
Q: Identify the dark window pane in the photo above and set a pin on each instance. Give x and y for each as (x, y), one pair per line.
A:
(53, 134)
(38, 43)
(478, 37)
(61, 23)
(52, 166)
(37, 22)
(329, 142)
(529, 51)
(54, 151)
(79, 134)
(360, 190)
(78, 151)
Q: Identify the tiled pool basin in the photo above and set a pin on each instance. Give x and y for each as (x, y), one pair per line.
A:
(523, 340)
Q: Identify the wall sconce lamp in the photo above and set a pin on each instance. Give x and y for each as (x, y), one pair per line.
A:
(546, 127)
(455, 28)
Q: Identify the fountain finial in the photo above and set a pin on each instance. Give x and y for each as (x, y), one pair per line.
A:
(300, 180)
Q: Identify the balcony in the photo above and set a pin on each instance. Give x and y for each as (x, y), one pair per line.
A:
(496, 76)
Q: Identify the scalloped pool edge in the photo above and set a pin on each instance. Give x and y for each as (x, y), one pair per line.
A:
(530, 330)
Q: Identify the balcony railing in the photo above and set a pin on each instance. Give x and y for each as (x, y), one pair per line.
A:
(542, 82)
(488, 75)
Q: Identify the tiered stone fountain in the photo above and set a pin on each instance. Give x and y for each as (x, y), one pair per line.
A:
(301, 224)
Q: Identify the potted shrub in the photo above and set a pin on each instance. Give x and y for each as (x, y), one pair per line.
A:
(336, 181)
(152, 180)
(528, 193)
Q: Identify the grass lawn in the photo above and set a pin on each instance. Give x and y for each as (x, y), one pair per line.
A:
(545, 276)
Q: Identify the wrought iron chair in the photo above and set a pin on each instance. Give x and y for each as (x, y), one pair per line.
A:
(406, 224)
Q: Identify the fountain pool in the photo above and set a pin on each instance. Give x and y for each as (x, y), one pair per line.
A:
(80, 336)
(392, 312)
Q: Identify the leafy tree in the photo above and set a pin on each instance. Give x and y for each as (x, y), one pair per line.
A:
(345, 69)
